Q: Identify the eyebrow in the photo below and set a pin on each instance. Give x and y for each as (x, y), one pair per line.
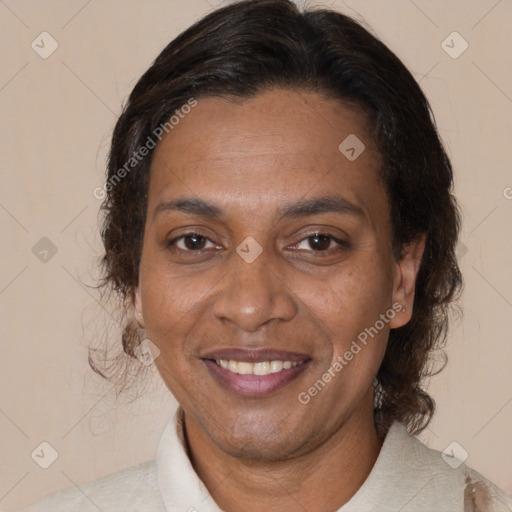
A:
(330, 204)
(190, 205)
(299, 209)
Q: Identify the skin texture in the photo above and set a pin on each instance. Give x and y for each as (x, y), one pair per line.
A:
(250, 158)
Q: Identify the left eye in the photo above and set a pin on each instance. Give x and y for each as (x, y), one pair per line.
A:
(320, 242)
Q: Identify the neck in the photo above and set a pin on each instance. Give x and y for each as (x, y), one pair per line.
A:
(323, 479)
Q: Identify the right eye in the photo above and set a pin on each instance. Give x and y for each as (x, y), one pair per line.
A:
(190, 242)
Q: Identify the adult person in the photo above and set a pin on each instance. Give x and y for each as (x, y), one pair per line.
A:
(280, 225)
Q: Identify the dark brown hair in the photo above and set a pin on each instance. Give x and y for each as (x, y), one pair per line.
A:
(240, 51)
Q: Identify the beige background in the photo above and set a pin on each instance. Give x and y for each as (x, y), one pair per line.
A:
(56, 119)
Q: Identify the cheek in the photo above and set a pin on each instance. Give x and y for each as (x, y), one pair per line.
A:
(349, 305)
(349, 295)
(170, 304)
(171, 308)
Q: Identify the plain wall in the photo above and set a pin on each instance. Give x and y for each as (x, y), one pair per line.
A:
(56, 119)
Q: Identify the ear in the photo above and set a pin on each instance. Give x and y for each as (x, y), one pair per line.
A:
(406, 271)
(138, 308)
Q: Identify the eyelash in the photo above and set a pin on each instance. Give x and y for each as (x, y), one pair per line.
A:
(342, 244)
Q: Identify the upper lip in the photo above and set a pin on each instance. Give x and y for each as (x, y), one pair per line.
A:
(254, 355)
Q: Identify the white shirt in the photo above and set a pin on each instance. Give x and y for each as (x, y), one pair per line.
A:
(407, 477)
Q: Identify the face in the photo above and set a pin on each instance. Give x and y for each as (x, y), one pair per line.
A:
(266, 253)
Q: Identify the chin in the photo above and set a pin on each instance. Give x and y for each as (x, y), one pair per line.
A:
(263, 440)
(262, 449)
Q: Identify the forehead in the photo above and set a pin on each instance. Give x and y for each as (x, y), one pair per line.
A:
(277, 147)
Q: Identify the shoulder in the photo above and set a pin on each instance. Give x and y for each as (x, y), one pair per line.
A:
(481, 495)
(132, 489)
(452, 481)
(411, 477)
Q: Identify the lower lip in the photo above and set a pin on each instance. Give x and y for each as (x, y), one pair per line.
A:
(254, 385)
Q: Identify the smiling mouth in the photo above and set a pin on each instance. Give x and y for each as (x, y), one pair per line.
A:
(258, 368)
(256, 378)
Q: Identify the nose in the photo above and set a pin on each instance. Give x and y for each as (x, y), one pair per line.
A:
(253, 294)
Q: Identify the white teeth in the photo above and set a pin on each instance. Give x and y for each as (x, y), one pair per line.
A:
(244, 368)
(276, 366)
(260, 368)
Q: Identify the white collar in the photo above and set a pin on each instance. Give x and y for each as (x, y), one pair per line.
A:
(181, 488)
